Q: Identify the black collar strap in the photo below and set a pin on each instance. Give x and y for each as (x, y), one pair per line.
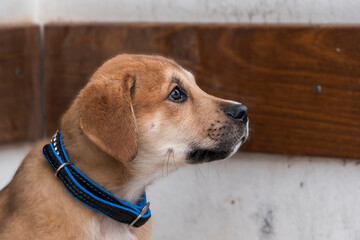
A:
(89, 193)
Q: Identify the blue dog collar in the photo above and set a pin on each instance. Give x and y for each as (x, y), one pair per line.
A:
(89, 193)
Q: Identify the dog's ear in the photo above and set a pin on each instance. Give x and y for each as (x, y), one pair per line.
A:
(107, 117)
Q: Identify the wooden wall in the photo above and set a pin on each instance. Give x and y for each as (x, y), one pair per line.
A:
(301, 83)
(20, 84)
(274, 70)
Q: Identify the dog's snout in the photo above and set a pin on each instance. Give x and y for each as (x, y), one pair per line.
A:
(238, 112)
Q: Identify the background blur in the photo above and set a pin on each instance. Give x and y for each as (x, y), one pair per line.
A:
(295, 64)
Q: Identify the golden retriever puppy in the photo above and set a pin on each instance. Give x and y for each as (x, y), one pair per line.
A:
(135, 112)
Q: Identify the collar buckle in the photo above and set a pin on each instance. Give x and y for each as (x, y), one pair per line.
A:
(142, 213)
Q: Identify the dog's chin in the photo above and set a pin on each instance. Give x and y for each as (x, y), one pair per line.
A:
(202, 155)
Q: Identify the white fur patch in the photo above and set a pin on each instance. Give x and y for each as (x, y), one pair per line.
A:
(238, 145)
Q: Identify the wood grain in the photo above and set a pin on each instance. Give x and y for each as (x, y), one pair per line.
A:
(20, 84)
(271, 69)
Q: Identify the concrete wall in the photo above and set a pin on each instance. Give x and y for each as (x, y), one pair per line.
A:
(252, 11)
(15, 11)
(239, 11)
(251, 196)
(262, 197)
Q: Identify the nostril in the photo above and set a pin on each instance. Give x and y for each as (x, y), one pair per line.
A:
(238, 112)
(242, 115)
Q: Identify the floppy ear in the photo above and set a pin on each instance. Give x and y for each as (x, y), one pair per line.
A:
(107, 117)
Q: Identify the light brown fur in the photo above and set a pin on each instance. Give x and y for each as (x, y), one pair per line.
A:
(118, 131)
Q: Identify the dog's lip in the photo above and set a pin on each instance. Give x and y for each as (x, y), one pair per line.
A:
(244, 138)
(200, 155)
(246, 134)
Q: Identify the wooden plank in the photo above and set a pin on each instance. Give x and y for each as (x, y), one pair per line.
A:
(20, 84)
(271, 69)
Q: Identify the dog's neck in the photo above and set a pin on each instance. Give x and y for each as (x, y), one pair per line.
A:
(115, 176)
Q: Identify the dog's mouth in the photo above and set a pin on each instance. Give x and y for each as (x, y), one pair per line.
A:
(206, 155)
(199, 154)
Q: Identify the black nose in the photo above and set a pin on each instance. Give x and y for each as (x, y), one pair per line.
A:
(238, 112)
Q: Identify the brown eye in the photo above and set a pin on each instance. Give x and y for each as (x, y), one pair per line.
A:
(177, 95)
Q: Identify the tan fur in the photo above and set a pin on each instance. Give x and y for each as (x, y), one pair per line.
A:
(120, 130)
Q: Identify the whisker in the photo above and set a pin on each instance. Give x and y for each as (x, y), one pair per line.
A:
(173, 158)
(208, 172)
(216, 167)
(167, 165)
(201, 173)
(162, 169)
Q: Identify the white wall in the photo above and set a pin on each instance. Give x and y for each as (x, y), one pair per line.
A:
(10, 158)
(15, 11)
(260, 197)
(238, 11)
(252, 11)
(248, 197)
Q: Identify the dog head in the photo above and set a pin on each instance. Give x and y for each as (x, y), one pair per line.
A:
(148, 108)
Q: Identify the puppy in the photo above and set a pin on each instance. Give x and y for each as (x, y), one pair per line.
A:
(135, 112)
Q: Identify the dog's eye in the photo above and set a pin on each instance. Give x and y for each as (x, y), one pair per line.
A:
(177, 95)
